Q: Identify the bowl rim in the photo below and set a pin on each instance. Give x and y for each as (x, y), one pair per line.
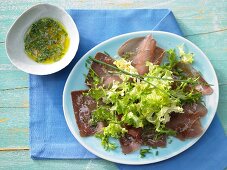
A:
(57, 68)
(127, 162)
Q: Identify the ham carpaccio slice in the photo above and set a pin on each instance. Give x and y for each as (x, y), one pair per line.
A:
(192, 132)
(158, 55)
(189, 71)
(187, 124)
(142, 49)
(145, 52)
(83, 106)
(102, 71)
(138, 136)
(195, 108)
(151, 138)
(131, 141)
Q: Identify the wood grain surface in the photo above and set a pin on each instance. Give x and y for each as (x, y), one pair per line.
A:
(204, 22)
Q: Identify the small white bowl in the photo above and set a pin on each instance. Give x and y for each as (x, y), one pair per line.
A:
(15, 39)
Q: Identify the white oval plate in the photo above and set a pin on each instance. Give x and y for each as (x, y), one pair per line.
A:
(76, 81)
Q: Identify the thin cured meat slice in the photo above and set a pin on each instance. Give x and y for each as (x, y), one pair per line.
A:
(189, 71)
(102, 71)
(145, 52)
(132, 47)
(181, 121)
(158, 56)
(204, 89)
(151, 138)
(134, 132)
(192, 132)
(138, 136)
(129, 144)
(109, 79)
(187, 124)
(83, 106)
(195, 108)
(131, 141)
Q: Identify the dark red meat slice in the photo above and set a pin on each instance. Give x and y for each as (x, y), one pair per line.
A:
(192, 132)
(134, 132)
(131, 47)
(145, 52)
(204, 89)
(187, 124)
(109, 79)
(158, 55)
(181, 121)
(131, 141)
(151, 138)
(195, 108)
(102, 71)
(83, 106)
(189, 71)
(129, 144)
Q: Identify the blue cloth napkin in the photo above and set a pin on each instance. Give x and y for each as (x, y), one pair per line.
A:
(49, 134)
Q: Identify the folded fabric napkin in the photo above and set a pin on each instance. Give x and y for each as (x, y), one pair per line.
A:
(49, 133)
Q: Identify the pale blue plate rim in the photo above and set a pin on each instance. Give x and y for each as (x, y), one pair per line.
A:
(140, 161)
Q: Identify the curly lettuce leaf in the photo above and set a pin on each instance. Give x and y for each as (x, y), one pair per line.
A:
(113, 130)
(185, 57)
(137, 101)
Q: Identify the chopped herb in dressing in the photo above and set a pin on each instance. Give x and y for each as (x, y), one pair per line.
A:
(46, 41)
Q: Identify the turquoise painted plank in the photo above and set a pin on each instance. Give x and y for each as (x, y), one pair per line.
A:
(222, 115)
(3, 56)
(21, 160)
(207, 17)
(11, 79)
(14, 118)
(222, 95)
(17, 98)
(14, 125)
(14, 138)
(214, 45)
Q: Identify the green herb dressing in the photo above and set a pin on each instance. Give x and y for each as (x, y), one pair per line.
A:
(46, 41)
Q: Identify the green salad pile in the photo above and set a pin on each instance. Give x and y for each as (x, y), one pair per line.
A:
(141, 100)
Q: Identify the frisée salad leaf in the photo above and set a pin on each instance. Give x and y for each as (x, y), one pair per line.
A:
(141, 100)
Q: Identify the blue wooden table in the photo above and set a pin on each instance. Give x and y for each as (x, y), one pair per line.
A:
(203, 22)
